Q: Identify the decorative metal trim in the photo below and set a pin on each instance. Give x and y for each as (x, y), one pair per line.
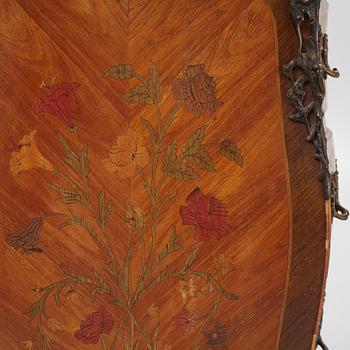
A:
(312, 62)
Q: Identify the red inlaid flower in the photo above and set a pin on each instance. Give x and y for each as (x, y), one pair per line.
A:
(185, 320)
(207, 214)
(97, 323)
(58, 100)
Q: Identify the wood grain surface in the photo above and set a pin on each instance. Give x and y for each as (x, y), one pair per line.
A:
(161, 272)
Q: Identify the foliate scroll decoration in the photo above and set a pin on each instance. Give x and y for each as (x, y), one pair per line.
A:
(308, 72)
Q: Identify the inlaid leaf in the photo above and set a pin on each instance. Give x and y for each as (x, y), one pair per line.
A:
(229, 295)
(229, 150)
(70, 152)
(154, 85)
(195, 153)
(67, 196)
(183, 171)
(150, 129)
(155, 336)
(84, 165)
(121, 71)
(34, 309)
(71, 158)
(170, 157)
(138, 94)
(101, 200)
(57, 295)
(196, 138)
(172, 246)
(190, 259)
(200, 157)
(176, 169)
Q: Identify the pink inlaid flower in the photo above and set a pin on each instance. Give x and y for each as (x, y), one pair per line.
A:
(197, 89)
(218, 337)
(185, 320)
(58, 100)
(207, 214)
(97, 323)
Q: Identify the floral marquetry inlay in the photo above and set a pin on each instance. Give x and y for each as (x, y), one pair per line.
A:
(154, 159)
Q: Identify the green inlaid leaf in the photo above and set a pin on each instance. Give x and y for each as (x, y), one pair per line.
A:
(196, 138)
(176, 169)
(154, 84)
(200, 157)
(183, 171)
(195, 153)
(138, 94)
(34, 309)
(101, 200)
(172, 246)
(84, 164)
(150, 129)
(121, 71)
(155, 336)
(104, 208)
(70, 153)
(170, 157)
(57, 295)
(71, 158)
(229, 150)
(229, 295)
(67, 196)
(190, 259)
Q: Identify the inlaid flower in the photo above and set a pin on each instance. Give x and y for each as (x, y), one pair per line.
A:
(58, 100)
(26, 239)
(127, 154)
(135, 218)
(54, 325)
(72, 295)
(197, 89)
(96, 324)
(217, 337)
(188, 289)
(152, 311)
(28, 156)
(207, 214)
(185, 320)
(223, 265)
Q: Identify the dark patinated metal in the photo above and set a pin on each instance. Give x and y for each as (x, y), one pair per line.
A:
(339, 211)
(312, 62)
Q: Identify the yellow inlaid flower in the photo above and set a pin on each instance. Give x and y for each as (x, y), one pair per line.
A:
(153, 311)
(187, 289)
(28, 156)
(223, 265)
(126, 154)
(54, 325)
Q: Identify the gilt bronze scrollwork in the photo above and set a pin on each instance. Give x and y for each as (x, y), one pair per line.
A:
(312, 62)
